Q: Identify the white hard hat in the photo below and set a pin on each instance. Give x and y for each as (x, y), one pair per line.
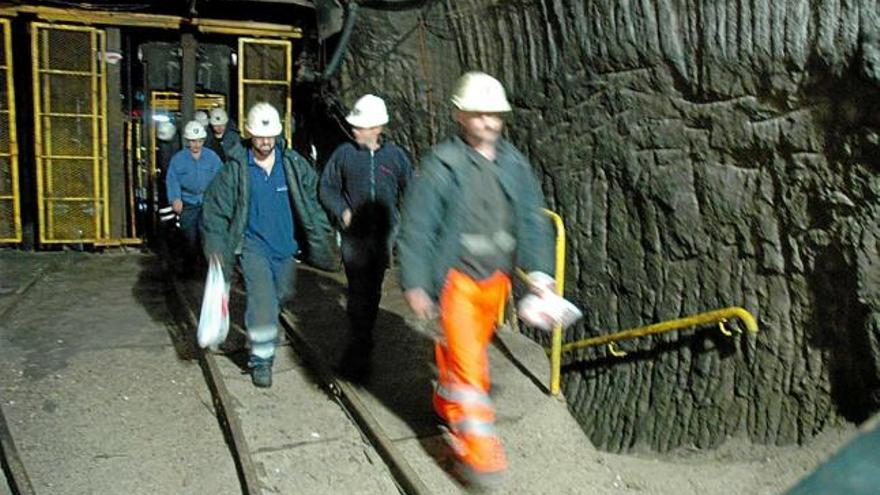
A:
(194, 130)
(263, 121)
(219, 117)
(480, 92)
(165, 131)
(202, 118)
(368, 111)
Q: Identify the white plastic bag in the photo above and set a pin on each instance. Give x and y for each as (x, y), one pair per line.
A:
(214, 318)
(546, 309)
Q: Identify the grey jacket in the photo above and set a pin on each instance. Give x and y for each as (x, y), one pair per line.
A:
(432, 220)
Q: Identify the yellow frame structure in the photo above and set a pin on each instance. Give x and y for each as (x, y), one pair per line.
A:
(43, 133)
(170, 22)
(242, 82)
(13, 136)
(170, 101)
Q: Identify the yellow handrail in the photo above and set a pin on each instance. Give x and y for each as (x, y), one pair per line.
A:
(556, 336)
(556, 354)
(719, 316)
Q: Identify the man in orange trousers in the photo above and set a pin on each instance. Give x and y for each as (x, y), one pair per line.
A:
(472, 216)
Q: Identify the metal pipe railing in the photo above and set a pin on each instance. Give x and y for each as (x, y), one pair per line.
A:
(559, 275)
(720, 316)
(556, 349)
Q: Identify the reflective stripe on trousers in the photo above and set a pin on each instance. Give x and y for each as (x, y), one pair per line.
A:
(468, 312)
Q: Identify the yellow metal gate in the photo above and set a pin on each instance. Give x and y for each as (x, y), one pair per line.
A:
(10, 204)
(70, 105)
(264, 74)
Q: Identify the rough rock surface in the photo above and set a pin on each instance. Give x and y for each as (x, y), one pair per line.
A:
(703, 153)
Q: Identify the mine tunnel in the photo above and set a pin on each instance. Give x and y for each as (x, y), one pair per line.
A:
(710, 192)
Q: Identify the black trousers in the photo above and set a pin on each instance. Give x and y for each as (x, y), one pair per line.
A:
(190, 225)
(365, 259)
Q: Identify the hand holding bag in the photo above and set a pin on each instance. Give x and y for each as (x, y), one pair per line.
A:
(214, 318)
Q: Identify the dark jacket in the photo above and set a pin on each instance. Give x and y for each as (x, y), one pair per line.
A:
(369, 184)
(224, 147)
(432, 218)
(225, 211)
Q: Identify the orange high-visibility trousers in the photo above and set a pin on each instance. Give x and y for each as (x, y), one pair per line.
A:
(468, 315)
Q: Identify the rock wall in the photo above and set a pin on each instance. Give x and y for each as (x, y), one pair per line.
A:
(703, 153)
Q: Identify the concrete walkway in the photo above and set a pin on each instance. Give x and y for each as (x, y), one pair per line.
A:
(100, 400)
(97, 398)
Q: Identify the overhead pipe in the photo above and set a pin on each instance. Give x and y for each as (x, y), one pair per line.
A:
(350, 16)
(336, 59)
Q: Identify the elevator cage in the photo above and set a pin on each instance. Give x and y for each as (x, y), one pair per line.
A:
(70, 108)
(10, 198)
(93, 170)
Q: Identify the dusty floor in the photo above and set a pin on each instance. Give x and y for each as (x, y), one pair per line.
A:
(56, 412)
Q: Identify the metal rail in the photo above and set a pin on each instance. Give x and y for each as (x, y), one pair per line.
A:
(719, 316)
(10, 460)
(223, 402)
(559, 275)
(19, 482)
(404, 475)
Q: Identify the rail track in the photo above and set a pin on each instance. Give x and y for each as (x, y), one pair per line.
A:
(183, 301)
(346, 395)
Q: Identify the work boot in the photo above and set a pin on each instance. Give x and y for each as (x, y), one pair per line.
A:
(480, 462)
(478, 481)
(355, 364)
(261, 371)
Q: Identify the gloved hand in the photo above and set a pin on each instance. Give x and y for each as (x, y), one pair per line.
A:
(545, 310)
(540, 282)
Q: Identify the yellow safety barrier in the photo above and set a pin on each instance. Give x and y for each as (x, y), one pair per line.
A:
(720, 316)
(10, 196)
(556, 335)
(70, 132)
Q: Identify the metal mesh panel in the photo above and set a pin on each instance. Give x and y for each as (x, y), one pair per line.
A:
(4, 136)
(67, 93)
(68, 136)
(5, 177)
(67, 50)
(70, 179)
(274, 95)
(79, 220)
(4, 94)
(267, 62)
(7, 214)
(71, 131)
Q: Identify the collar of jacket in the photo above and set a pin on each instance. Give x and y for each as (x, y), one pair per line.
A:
(506, 160)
